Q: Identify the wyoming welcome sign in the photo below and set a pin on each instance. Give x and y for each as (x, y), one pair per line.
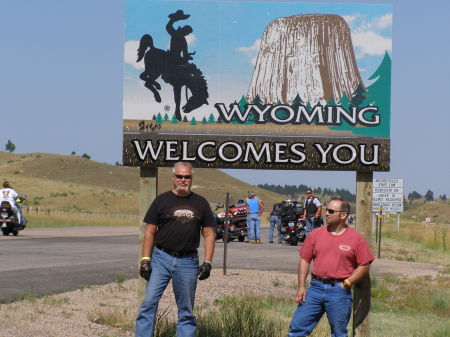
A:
(270, 85)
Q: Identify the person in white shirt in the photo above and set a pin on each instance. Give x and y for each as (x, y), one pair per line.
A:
(8, 194)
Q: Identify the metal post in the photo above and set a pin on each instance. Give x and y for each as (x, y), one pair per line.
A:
(398, 222)
(148, 181)
(361, 292)
(379, 232)
(225, 233)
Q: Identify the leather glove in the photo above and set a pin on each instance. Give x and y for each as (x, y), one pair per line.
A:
(145, 270)
(204, 271)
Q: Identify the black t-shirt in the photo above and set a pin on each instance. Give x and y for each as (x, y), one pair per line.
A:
(179, 220)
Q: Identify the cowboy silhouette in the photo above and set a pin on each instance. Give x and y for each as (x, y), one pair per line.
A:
(173, 66)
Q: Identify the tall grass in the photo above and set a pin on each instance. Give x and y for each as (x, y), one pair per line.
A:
(433, 236)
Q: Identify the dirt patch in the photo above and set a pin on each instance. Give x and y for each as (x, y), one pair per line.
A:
(75, 313)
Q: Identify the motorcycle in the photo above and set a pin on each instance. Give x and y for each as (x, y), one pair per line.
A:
(236, 223)
(9, 222)
(293, 229)
(295, 232)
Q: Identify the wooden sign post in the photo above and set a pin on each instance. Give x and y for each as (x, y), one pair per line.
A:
(148, 183)
(361, 293)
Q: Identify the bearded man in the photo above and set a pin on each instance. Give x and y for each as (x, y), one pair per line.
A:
(169, 252)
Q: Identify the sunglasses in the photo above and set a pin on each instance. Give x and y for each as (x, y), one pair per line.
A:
(332, 211)
(180, 176)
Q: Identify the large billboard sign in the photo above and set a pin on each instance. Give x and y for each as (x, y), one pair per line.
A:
(270, 85)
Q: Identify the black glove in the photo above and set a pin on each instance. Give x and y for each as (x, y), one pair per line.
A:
(204, 271)
(145, 270)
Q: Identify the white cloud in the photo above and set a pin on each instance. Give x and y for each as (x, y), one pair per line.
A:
(252, 51)
(130, 54)
(370, 43)
(383, 21)
(190, 39)
(350, 18)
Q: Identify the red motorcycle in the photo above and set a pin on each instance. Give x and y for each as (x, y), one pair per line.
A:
(236, 224)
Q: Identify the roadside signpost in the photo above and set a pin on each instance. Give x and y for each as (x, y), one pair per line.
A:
(387, 198)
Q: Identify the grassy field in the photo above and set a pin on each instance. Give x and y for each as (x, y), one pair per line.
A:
(400, 308)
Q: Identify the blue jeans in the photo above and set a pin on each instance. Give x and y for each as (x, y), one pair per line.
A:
(253, 224)
(309, 223)
(183, 272)
(320, 298)
(275, 221)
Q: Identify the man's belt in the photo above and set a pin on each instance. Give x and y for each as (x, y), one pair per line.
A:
(176, 253)
(327, 280)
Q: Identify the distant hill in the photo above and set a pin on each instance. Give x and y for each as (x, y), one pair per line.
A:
(74, 183)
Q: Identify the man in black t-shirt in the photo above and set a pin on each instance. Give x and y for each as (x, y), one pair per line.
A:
(169, 251)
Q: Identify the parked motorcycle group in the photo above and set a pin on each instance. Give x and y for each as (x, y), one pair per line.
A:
(293, 229)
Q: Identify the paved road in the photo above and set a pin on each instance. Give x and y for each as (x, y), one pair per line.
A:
(43, 261)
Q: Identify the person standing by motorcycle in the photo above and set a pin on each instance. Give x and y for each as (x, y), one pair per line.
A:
(312, 212)
(169, 251)
(275, 220)
(255, 210)
(8, 194)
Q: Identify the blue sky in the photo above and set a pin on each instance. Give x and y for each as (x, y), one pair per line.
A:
(62, 64)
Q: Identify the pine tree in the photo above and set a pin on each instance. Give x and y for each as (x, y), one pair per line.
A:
(158, 119)
(10, 147)
(193, 121)
(204, 121)
(219, 120)
(185, 120)
(211, 119)
(166, 118)
(377, 94)
(344, 102)
(257, 101)
(154, 117)
(297, 102)
(174, 119)
(358, 95)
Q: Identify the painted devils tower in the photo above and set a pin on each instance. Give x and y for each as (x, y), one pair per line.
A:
(309, 55)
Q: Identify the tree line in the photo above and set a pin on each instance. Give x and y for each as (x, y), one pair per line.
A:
(297, 191)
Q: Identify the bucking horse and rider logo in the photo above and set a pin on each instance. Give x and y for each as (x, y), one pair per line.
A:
(173, 66)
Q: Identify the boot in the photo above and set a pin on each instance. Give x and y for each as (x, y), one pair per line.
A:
(257, 241)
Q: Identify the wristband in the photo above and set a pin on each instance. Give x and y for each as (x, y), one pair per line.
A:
(146, 258)
(347, 283)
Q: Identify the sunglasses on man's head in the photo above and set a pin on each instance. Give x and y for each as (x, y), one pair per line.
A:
(180, 176)
(332, 211)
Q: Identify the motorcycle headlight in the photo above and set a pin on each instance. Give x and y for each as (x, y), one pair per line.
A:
(221, 215)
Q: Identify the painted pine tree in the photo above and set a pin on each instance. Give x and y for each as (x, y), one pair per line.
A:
(377, 94)
(204, 121)
(344, 102)
(297, 102)
(166, 117)
(174, 119)
(185, 120)
(359, 95)
(158, 119)
(211, 119)
(193, 121)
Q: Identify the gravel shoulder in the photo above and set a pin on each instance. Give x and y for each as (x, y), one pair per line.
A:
(74, 313)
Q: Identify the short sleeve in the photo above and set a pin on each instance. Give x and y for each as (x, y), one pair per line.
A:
(306, 250)
(317, 202)
(208, 218)
(363, 253)
(152, 215)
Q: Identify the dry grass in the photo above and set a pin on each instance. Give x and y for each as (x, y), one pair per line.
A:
(76, 184)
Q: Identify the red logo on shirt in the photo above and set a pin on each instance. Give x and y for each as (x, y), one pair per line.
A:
(345, 247)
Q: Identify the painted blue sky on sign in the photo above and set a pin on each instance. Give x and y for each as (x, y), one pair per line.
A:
(227, 43)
